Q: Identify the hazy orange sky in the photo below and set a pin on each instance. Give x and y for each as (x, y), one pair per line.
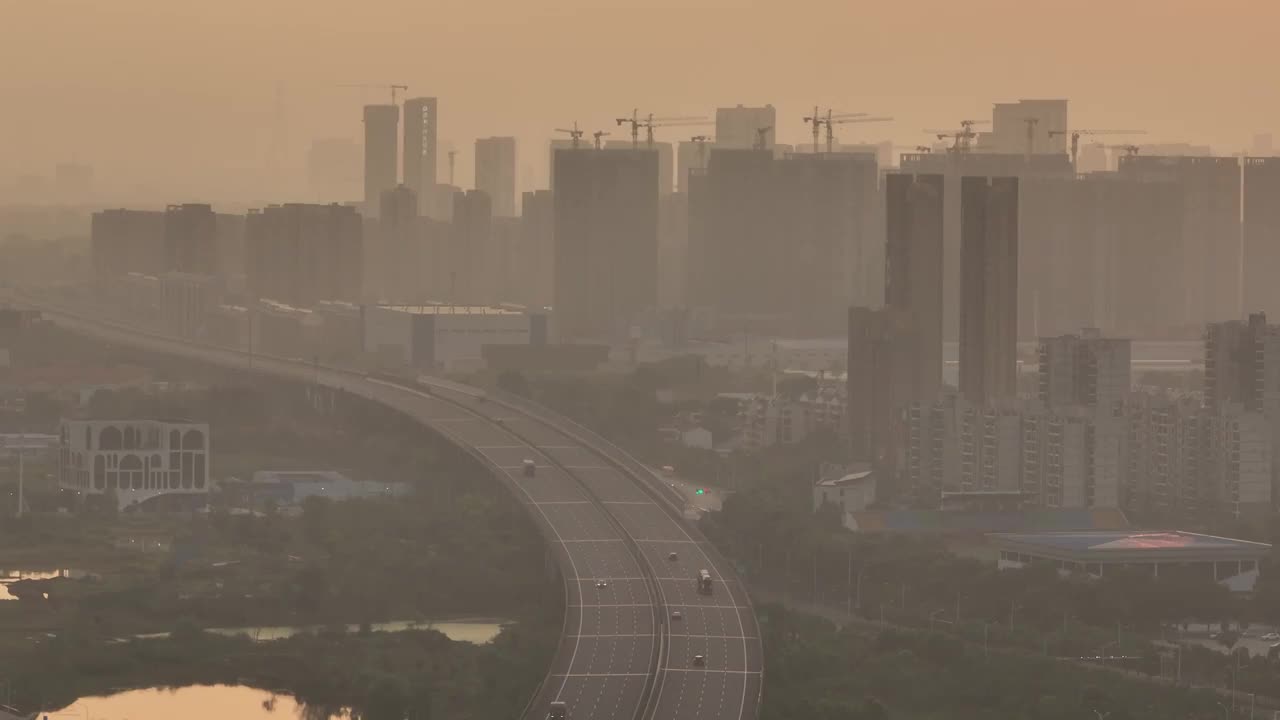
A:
(175, 99)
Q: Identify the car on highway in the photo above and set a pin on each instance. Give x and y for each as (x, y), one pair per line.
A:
(1271, 636)
(699, 660)
(559, 711)
(529, 467)
(602, 584)
(676, 615)
(672, 557)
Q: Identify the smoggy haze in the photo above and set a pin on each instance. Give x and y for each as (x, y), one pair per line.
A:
(174, 100)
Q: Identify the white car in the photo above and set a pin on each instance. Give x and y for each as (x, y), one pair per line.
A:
(676, 615)
(1271, 636)
(602, 584)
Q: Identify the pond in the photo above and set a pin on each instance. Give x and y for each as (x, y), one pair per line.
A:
(196, 702)
(477, 631)
(12, 576)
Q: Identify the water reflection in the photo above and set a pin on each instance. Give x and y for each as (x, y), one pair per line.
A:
(197, 702)
(477, 632)
(12, 576)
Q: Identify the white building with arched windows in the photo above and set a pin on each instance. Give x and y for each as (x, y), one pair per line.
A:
(137, 459)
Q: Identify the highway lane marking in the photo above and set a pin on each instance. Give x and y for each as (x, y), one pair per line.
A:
(501, 447)
(606, 675)
(627, 502)
(609, 540)
(562, 502)
(559, 447)
(700, 607)
(585, 467)
(722, 672)
(683, 635)
(667, 542)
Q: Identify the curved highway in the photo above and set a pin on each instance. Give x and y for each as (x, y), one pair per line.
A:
(612, 526)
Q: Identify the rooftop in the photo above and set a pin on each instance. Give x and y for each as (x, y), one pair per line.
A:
(970, 522)
(849, 479)
(451, 309)
(1120, 544)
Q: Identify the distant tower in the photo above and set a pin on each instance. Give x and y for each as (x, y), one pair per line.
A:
(988, 288)
(913, 271)
(380, 125)
(421, 123)
(495, 166)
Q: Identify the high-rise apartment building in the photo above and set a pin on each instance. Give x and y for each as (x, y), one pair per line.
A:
(990, 447)
(470, 246)
(988, 289)
(301, 254)
(1210, 240)
(124, 241)
(1032, 245)
(1086, 370)
(1235, 362)
(606, 240)
(381, 125)
(496, 173)
(421, 125)
(190, 239)
(880, 358)
(690, 156)
(666, 160)
(1032, 127)
(739, 127)
(537, 243)
(782, 245)
(1262, 234)
(913, 272)
(397, 254)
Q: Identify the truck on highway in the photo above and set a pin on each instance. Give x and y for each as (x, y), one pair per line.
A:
(704, 582)
(558, 711)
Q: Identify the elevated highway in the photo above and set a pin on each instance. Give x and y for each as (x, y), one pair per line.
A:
(610, 522)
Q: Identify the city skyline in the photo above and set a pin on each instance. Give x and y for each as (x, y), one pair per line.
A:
(261, 106)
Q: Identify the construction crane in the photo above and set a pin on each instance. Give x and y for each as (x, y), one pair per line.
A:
(392, 87)
(817, 120)
(1075, 139)
(575, 134)
(1031, 122)
(649, 122)
(762, 137)
(830, 121)
(597, 135)
(962, 140)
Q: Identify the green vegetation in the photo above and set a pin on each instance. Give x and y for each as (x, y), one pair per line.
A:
(819, 671)
(411, 675)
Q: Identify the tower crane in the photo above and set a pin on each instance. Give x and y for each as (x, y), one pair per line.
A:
(597, 135)
(392, 87)
(830, 121)
(817, 120)
(649, 122)
(1075, 139)
(575, 134)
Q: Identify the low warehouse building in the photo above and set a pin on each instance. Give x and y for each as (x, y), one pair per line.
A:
(446, 337)
(1233, 563)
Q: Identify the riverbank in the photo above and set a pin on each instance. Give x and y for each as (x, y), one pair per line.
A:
(413, 673)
